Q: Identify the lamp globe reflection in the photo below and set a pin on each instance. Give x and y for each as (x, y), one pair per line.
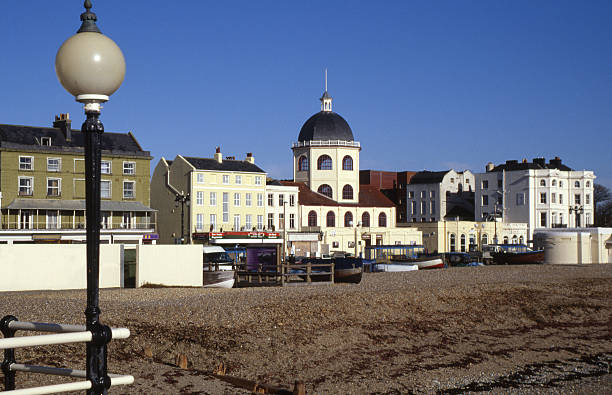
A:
(90, 65)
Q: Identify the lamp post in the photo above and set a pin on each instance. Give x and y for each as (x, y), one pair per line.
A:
(182, 199)
(91, 67)
(577, 210)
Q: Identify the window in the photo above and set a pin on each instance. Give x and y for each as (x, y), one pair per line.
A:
(588, 184)
(485, 239)
(505, 239)
(500, 199)
(238, 180)
(281, 221)
(452, 180)
(413, 207)
(291, 200)
(260, 222)
(126, 220)
(325, 190)
(248, 222)
(543, 219)
(410, 194)
(199, 221)
(553, 197)
(432, 194)
(105, 189)
(587, 199)
(423, 207)
(485, 200)
(312, 218)
(270, 200)
(236, 222)
(521, 240)
(514, 239)
(520, 199)
(485, 184)
(257, 180)
(347, 192)
(560, 184)
(54, 186)
(542, 183)
(226, 179)
(432, 207)
(452, 242)
(324, 163)
(247, 200)
(462, 239)
(365, 219)
(577, 184)
(291, 221)
(200, 178)
(52, 220)
(225, 207)
(106, 221)
(423, 194)
(554, 183)
(560, 198)
(54, 164)
(270, 221)
(45, 141)
(588, 219)
(281, 200)
(331, 219)
(26, 186)
(348, 219)
(129, 167)
(561, 218)
(260, 200)
(236, 200)
(542, 197)
(553, 218)
(213, 198)
(26, 163)
(105, 167)
(382, 220)
(303, 163)
(128, 190)
(200, 198)
(500, 183)
(347, 163)
(577, 198)
(213, 221)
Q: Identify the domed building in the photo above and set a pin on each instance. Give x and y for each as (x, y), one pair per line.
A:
(344, 216)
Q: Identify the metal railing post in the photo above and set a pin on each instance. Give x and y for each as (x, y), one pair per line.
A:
(9, 353)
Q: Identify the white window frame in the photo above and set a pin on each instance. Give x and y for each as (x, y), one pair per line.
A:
(236, 199)
(110, 189)
(248, 201)
(236, 222)
(200, 178)
(133, 169)
(260, 200)
(225, 207)
(213, 221)
(110, 167)
(133, 189)
(238, 179)
(291, 200)
(226, 179)
(260, 222)
(257, 180)
(200, 198)
(57, 219)
(270, 200)
(59, 165)
(213, 198)
(281, 200)
(292, 221)
(199, 221)
(248, 223)
(59, 186)
(543, 199)
(31, 186)
(25, 165)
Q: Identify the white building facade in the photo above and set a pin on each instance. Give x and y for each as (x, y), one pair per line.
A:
(540, 194)
(282, 210)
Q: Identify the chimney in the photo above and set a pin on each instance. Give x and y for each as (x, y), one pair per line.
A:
(218, 156)
(250, 158)
(489, 167)
(63, 122)
(524, 160)
(556, 163)
(540, 161)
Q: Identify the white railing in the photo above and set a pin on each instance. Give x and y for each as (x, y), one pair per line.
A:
(326, 143)
(64, 334)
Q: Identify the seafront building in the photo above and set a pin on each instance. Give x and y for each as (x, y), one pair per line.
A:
(540, 194)
(42, 186)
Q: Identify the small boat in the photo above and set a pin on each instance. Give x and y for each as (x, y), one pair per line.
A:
(461, 259)
(517, 254)
(218, 270)
(348, 270)
(400, 258)
(394, 267)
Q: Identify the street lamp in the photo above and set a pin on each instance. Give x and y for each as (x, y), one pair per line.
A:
(91, 67)
(182, 199)
(578, 210)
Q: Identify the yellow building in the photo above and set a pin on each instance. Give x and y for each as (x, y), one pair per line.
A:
(213, 194)
(42, 185)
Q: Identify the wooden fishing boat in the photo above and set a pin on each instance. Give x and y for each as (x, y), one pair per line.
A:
(517, 254)
(348, 270)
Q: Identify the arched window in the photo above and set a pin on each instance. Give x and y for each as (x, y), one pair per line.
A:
(331, 219)
(521, 240)
(485, 239)
(588, 184)
(365, 219)
(382, 220)
(303, 163)
(554, 183)
(325, 190)
(347, 192)
(505, 239)
(514, 239)
(577, 184)
(348, 219)
(542, 183)
(462, 243)
(452, 242)
(324, 162)
(347, 163)
(312, 218)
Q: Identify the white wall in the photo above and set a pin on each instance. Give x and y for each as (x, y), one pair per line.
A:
(27, 267)
(575, 246)
(169, 265)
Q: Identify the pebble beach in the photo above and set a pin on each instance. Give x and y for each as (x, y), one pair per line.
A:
(493, 329)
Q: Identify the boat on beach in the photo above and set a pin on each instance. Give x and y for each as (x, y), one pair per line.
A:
(516, 254)
(402, 258)
(218, 268)
(348, 270)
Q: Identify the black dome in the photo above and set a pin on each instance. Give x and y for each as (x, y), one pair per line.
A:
(326, 125)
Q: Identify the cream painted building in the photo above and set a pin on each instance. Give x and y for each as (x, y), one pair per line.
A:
(346, 215)
(223, 195)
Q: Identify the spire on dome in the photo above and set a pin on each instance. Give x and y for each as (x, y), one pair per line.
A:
(326, 99)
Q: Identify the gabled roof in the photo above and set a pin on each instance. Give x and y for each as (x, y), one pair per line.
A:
(29, 138)
(225, 165)
(428, 177)
(368, 197)
(460, 212)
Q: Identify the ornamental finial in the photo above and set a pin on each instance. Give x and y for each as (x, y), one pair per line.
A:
(89, 20)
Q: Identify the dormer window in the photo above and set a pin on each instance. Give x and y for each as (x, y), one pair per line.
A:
(45, 141)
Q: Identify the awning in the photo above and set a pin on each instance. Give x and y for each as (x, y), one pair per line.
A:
(76, 205)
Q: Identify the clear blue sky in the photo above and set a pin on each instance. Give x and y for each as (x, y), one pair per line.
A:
(424, 85)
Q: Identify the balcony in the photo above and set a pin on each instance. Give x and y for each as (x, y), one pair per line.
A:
(326, 143)
(43, 225)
